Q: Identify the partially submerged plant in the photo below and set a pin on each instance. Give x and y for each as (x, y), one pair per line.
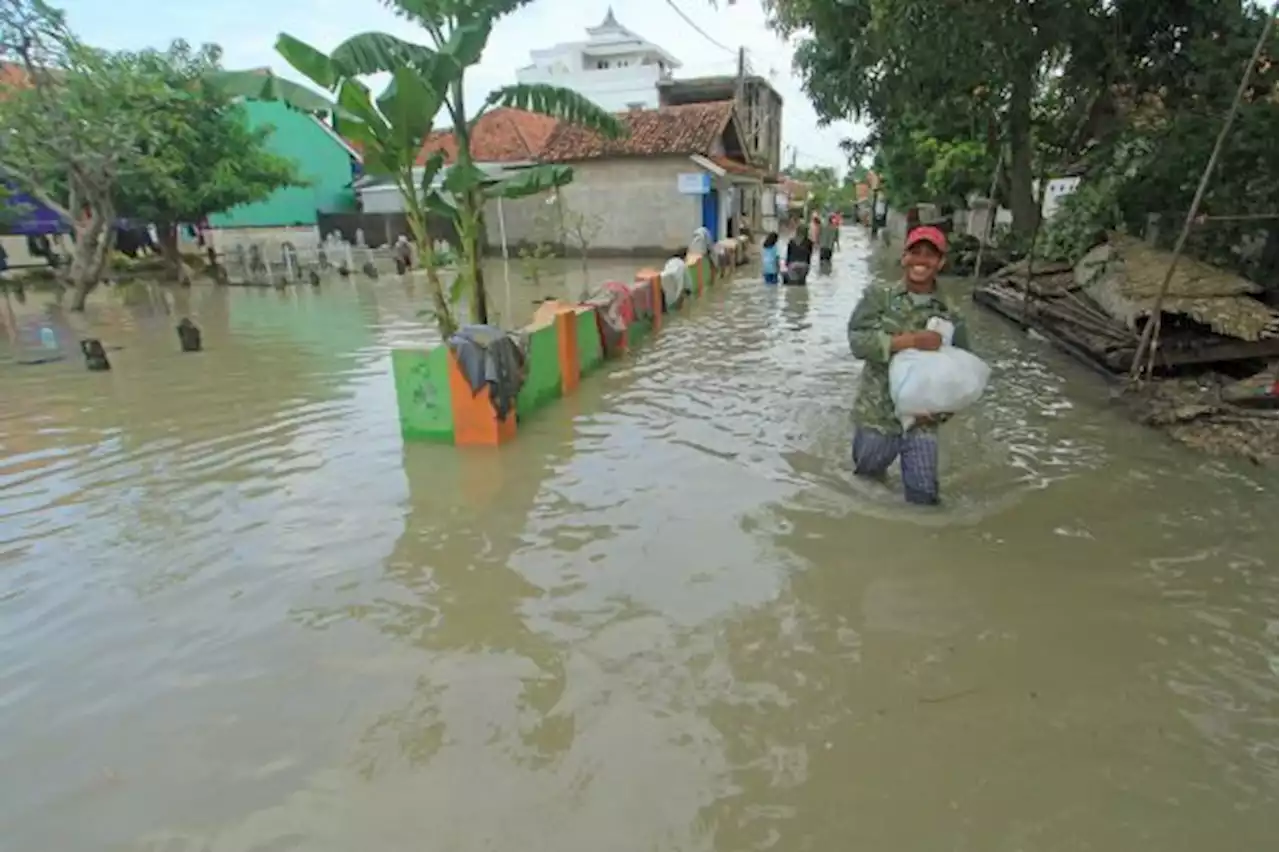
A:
(391, 128)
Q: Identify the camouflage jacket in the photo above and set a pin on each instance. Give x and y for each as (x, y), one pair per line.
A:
(882, 313)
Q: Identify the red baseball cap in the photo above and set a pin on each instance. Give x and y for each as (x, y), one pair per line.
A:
(927, 234)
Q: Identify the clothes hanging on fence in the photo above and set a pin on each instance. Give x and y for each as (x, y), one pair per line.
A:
(489, 356)
(700, 245)
(614, 312)
(642, 305)
(621, 302)
(675, 277)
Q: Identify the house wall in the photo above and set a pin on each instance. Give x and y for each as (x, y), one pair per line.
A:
(321, 160)
(1057, 190)
(635, 201)
(382, 199)
(612, 89)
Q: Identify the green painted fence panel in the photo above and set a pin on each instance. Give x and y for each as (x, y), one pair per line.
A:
(542, 379)
(590, 347)
(422, 393)
(638, 331)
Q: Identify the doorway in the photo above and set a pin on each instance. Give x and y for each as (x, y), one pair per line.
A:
(711, 213)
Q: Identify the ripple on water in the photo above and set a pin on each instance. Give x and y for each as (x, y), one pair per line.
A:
(666, 618)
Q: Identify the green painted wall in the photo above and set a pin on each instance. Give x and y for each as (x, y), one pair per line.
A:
(590, 348)
(422, 393)
(542, 381)
(321, 160)
(638, 331)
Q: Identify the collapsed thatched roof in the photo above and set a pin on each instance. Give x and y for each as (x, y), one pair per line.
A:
(1123, 276)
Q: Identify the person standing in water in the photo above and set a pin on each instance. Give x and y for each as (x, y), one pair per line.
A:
(769, 258)
(827, 236)
(799, 253)
(888, 320)
(403, 253)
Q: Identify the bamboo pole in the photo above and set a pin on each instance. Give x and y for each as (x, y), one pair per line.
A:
(1150, 339)
(1035, 235)
(991, 221)
(506, 265)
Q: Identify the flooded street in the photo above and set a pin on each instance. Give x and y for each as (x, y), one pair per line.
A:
(238, 613)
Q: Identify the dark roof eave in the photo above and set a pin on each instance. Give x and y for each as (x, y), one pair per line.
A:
(622, 156)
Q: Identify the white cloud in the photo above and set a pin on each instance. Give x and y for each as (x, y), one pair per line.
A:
(246, 30)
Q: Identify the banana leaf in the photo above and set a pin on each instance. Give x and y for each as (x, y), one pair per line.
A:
(531, 181)
(559, 103)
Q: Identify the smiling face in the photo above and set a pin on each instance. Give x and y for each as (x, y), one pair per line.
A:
(920, 265)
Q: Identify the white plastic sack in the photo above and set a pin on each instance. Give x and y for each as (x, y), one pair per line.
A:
(941, 382)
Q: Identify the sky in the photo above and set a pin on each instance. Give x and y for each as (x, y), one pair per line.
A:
(247, 29)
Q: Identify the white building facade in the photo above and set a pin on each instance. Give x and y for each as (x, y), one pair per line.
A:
(615, 68)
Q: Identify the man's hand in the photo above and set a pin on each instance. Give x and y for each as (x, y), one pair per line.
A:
(929, 341)
(926, 341)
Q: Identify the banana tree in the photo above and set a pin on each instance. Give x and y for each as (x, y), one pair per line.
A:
(392, 127)
(389, 131)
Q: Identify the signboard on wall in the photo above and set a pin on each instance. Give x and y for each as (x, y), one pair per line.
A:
(693, 183)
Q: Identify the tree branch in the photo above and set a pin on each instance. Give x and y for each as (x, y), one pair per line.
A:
(34, 190)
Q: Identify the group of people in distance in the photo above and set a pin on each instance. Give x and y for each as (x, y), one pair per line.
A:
(822, 233)
(887, 320)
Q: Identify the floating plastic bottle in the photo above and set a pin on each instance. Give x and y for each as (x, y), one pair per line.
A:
(48, 339)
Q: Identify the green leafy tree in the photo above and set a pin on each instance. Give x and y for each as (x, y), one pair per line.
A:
(907, 66)
(392, 126)
(204, 160)
(77, 123)
(822, 182)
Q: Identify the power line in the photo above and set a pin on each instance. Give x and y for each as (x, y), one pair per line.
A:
(697, 28)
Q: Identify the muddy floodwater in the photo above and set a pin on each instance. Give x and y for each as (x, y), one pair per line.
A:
(238, 613)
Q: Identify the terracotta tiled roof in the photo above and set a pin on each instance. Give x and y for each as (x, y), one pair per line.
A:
(685, 129)
(794, 188)
(502, 135)
(13, 76)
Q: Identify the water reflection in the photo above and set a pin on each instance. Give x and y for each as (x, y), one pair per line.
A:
(665, 618)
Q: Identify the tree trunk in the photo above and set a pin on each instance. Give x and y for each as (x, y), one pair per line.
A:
(1022, 200)
(168, 233)
(93, 239)
(475, 257)
(470, 218)
(416, 218)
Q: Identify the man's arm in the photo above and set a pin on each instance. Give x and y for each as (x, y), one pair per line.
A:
(868, 340)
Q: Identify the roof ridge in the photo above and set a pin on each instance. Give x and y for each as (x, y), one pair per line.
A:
(528, 149)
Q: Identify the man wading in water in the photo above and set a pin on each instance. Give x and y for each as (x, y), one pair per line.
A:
(889, 320)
